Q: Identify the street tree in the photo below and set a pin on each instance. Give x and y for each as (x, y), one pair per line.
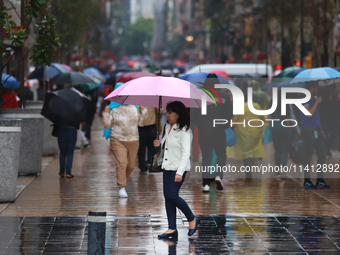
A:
(219, 18)
(139, 36)
(46, 38)
(287, 14)
(78, 21)
(323, 14)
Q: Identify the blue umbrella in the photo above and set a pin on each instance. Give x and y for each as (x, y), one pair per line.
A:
(11, 82)
(51, 71)
(92, 71)
(316, 74)
(198, 78)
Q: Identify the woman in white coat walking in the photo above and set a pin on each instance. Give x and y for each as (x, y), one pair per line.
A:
(176, 147)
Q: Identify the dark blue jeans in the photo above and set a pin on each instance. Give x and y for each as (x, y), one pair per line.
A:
(173, 200)
(67, 138)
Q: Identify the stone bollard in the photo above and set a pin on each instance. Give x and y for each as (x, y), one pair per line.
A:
(96, 233)
(10, 137)
(31, 138)
(50, 143)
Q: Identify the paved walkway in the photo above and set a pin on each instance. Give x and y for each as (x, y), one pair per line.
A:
(257, 216)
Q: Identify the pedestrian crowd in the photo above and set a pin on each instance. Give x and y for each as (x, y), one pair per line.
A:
(178, 137)
(318, 132)
(169, 139)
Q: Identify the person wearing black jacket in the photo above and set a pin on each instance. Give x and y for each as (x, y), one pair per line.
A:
(213, 138)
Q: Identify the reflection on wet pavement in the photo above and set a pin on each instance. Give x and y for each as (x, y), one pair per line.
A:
(137, 234)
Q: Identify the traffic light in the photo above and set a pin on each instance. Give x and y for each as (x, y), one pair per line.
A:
(298, 63)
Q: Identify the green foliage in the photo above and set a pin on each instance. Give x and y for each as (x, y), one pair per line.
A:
(47, 40)
(139, 36)
(34, 7)
(16, 36)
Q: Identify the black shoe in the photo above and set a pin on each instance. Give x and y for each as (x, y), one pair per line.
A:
(193, 230)
(69, 176)
(219, 184)
(308, 185)
(155, 170)
(173, 235)
(322, 185)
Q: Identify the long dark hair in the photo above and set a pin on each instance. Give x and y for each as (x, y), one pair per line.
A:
(183, 114)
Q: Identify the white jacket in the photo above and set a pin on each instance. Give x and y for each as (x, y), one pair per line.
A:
(177, 149)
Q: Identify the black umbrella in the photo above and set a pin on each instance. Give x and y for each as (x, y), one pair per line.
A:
(72, 78)
(69, 104)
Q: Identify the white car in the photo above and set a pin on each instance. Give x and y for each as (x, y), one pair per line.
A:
(234, 70)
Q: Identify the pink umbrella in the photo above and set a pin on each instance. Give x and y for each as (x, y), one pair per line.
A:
(68, 67)
(222, 74)
(158, 92)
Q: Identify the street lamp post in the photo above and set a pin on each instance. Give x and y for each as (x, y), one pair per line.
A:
(189, 39)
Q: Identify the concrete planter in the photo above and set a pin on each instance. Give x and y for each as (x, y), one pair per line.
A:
(10, 138)
(31, 138)
(50, 143)
(34, 104)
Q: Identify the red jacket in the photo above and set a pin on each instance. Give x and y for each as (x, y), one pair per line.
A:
(10, 101)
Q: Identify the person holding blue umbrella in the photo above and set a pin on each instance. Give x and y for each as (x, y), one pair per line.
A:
(312, 133)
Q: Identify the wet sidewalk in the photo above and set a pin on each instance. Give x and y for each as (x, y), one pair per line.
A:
(137, 234)
(257, 216)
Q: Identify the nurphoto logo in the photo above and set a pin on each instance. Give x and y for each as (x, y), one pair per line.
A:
(238, 104)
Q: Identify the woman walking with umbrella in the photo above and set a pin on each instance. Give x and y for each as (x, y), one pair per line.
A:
(66, 109)
(159, 91)
(124, 138)
(176, 145)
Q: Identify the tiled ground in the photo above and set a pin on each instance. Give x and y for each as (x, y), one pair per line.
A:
(257, 216)
(137, 234)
